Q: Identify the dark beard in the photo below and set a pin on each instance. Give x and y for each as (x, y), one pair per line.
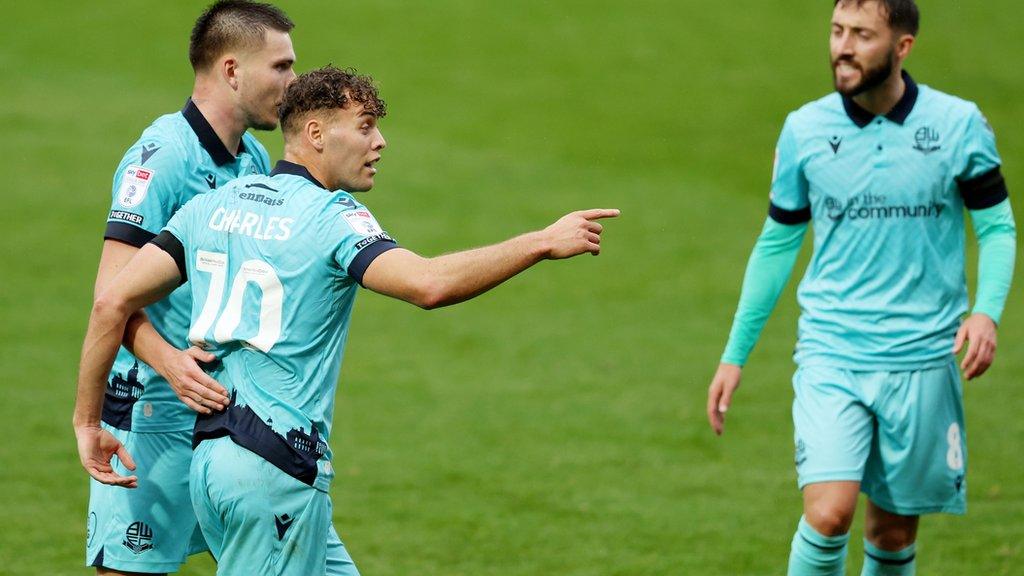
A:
(872, 78)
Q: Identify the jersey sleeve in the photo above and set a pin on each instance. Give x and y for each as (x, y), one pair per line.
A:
(148, 188)
(978, 171)
(176, 235)
(789, 199)
(353, 236)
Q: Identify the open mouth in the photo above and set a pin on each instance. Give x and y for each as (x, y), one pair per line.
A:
(370, 165)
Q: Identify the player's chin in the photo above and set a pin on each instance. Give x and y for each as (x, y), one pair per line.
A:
(847, 87)
(266, 124)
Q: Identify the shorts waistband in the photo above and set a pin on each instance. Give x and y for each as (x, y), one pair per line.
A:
(295, 454)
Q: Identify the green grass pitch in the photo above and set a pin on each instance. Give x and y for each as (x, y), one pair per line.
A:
(554, 426)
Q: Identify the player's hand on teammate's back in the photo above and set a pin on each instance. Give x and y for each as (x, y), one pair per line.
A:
(96, 448)
(979, 331)
(577, 232)
(192, 384)
(725, 382)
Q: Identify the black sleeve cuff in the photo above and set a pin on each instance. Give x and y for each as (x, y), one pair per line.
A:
(127, 233)
(985, 191)
(367, 255)
(169, 243)
(789, 217)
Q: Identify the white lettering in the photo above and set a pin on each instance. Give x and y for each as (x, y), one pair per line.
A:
(218, 213)
(251, 224)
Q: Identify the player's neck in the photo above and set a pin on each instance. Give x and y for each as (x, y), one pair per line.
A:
(224, 117)
(883, 98)
(307, 161)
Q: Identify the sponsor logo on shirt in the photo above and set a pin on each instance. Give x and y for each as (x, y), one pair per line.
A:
(262, 198)
(126, 216)
(876, 206)
(134, 185)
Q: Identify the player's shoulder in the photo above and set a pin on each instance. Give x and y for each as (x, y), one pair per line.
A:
(944, 105)
(163, 144)
(828, 108)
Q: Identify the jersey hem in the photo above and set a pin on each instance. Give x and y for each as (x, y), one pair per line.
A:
(871, 365)
(148, 430)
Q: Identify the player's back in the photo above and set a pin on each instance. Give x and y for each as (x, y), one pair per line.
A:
(272, 262)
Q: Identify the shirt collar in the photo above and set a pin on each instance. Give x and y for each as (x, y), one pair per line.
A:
(899, 112)
(207, 136)
(286, 167)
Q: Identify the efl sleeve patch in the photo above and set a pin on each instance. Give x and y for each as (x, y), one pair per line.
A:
(362, 222)
(134, 186)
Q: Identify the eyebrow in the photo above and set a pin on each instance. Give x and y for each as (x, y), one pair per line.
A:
(854, 28)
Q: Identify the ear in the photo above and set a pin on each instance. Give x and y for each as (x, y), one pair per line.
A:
(313, 131)
(903, 46)
(229, 71)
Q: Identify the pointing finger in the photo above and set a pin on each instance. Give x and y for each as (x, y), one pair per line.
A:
(597, 213)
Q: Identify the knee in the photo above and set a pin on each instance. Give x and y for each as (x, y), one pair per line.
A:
(891, 538)
(829, 519)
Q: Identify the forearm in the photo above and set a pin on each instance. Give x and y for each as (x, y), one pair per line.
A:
(146, 344)
(102, 339)
(768, 270)
(463, 275)
(997, 241)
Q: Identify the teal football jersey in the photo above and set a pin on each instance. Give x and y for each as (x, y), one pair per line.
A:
(885, 288)
(177, 157)
(273, 264)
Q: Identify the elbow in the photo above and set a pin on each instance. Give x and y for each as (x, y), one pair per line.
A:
(107, 305)
(430, 295)
(431, 299)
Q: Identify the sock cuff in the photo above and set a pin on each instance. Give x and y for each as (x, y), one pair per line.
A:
(903, 556)
(815, 538)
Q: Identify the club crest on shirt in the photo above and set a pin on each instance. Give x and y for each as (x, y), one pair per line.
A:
(134, 185)
(926, 140)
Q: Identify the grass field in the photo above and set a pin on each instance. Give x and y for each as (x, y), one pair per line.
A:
(554, 426)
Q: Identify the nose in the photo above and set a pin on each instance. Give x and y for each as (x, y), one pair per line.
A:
(379, 142)
(847, 43)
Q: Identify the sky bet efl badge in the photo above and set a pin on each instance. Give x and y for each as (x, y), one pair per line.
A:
(362, 222)
(134, 185)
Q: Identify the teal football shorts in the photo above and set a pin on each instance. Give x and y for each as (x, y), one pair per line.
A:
(151, 528)
(259, 520)
(900, 434)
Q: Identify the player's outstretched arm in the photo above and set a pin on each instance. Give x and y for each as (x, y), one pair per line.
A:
(149, 276)
(452, 278)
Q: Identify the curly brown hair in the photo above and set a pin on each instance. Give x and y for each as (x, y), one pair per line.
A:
(328, 88)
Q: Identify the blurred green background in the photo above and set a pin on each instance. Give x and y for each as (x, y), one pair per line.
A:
(556, 425)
